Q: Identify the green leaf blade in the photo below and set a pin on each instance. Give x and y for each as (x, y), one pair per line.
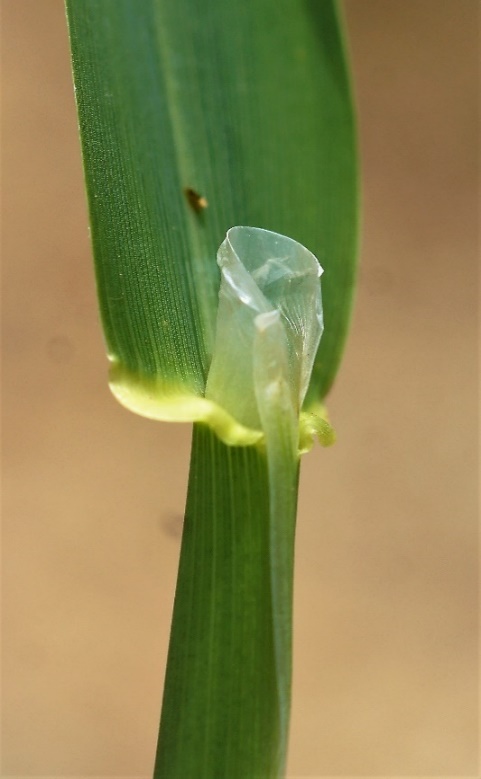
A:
(250, 106)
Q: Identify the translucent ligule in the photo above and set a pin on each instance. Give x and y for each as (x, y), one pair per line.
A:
(269, 325)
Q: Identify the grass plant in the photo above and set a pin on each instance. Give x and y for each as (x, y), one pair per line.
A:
(223, 130)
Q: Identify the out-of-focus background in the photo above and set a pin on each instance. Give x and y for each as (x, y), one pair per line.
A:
(385, 677)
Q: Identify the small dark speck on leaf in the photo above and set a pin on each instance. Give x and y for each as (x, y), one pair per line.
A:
(196, 201)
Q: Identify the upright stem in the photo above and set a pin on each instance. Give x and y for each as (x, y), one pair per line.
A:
(224, 713)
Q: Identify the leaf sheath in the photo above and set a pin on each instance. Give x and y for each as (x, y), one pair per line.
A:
(224, 713)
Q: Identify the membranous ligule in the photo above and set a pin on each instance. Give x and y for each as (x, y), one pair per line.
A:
(269, 324)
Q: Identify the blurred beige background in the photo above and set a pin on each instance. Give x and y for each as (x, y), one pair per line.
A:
(386, 662)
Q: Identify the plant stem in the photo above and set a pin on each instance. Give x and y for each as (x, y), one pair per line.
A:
(227, 686)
